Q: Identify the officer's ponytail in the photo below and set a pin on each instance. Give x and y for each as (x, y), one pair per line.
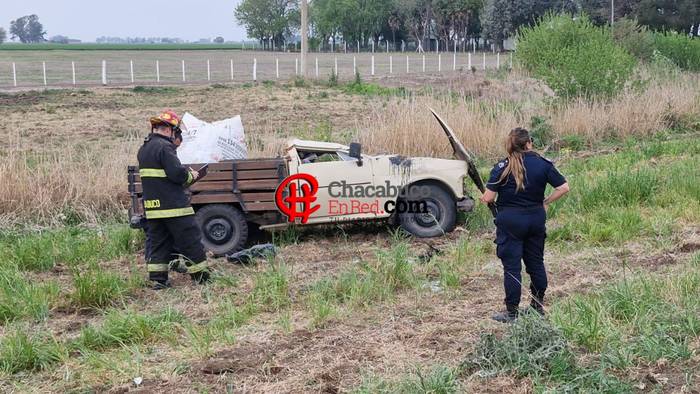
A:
(516, 145)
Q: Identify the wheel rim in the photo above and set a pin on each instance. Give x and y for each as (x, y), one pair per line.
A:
(218, 231)
(431, 217)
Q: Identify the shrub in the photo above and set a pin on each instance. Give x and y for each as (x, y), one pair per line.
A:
(533, 347)
(22, 352)
(636, 39)
(271, 288)
(681, 49)
(541, 131)
(128, 327)
(574, 57)
(21, 297)
(96, 288)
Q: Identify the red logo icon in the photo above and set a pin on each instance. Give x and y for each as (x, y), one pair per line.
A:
(288, 205)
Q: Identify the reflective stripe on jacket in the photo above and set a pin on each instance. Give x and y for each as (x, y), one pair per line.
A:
(164, 179)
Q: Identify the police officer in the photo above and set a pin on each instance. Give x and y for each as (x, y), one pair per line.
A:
(170, 217)
(520, 181)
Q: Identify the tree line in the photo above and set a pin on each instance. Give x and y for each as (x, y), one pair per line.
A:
(425, 24)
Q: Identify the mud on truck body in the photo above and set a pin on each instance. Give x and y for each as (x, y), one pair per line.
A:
(237, 193)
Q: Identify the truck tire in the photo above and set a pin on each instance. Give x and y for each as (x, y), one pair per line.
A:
(440, 218)
(224, 228)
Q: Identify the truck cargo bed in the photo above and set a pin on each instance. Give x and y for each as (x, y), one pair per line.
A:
(251, 183)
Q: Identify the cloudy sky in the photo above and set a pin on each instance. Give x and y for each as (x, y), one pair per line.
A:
(88, 19)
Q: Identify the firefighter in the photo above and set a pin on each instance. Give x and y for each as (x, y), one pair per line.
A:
(170, 219)
(520, 181)
(177, 140)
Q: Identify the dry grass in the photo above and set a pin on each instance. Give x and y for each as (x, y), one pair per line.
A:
(67, 163)
(407, 127)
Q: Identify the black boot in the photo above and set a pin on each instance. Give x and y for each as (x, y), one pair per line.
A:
(159, 280)
(160, 285)
(537, 304)
(507, 316)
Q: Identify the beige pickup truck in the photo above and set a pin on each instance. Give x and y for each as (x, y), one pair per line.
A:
(421, 194)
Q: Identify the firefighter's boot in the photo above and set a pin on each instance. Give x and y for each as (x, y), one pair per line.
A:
(537, 304)
(507, 316)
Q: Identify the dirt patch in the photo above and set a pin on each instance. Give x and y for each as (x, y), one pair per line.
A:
(656, 262)
(689, 247)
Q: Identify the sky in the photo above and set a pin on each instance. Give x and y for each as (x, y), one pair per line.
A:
(88, 19)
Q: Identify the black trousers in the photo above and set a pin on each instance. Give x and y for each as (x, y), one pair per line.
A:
(167, 235)
(520, 236)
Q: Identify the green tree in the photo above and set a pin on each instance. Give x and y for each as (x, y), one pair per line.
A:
(3, 35)
(266, 19)
(326, 18)
(676, 15)
(219, 40)
(453, 18)
(28, 29)
(497, 21)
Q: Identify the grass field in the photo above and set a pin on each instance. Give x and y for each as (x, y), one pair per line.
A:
(358, 309)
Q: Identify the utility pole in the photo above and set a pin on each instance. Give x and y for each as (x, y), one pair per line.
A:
(304, 35)
(612, 13)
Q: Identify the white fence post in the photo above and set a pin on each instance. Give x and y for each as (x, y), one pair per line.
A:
(345, 46)
(423, 63)
(72, 67)
(184, 75)
(14, 74)
(335, 64)
(391, 64)
(104, 72)
(316, 67)
(277, 68)
(255, 69)
(131, 70)
(483, 61)
(511, 60)
(231, 69)
(498, 60)
(157, 71)
(354, 65)
(469, 60)
(43, 66)
(408, 70)
(372, 64)
(208, 71)
(439, 62)
(296, 66)
(454, 57)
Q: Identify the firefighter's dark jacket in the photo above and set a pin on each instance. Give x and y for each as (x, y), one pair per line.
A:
(164, 179)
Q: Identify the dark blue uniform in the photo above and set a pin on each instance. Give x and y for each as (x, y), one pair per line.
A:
(520, 223)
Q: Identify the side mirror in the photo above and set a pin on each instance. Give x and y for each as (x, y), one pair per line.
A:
(356, 152)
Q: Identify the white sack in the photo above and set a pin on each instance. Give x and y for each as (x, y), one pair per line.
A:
(204, 142)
